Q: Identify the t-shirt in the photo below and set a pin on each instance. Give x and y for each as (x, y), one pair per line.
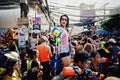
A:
(63, 47)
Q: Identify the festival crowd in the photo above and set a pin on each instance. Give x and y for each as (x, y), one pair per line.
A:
(85, 56)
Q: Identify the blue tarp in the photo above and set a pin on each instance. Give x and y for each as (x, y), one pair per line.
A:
(102, 32)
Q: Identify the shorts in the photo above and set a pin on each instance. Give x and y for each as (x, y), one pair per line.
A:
(64, 54)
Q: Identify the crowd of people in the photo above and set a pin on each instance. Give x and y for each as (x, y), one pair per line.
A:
(97, 56)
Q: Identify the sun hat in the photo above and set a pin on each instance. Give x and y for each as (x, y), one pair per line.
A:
(12, 55)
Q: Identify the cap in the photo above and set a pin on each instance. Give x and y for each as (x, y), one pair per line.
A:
(112, 40)
(44, 38)
(13, 55)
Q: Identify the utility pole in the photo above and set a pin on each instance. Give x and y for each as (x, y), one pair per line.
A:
(48, 11)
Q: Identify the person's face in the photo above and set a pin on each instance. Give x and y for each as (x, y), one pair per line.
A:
(37, 54)
(64, 21)
(97, 58)
(84, 65)
(78, 47)
(97, 43)
(15, 67)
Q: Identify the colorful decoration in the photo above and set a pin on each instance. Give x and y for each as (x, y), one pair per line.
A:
(37, 7)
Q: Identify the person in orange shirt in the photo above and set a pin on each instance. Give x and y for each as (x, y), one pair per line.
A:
(44, 57)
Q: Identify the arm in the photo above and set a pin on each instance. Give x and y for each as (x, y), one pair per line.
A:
(71, 30)
(50, 53)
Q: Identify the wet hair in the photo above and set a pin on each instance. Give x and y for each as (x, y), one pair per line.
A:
(9, 66)
(106, 45)
(32, 53)
(94, 37)
(32, 74)
(84, 40)
(114, 71)
(12, 47)
(34, 64)
(81, 56)
(89, 40)
(52, 41)
(39, 42)
(67, 25)
(73, 43)
(94, 53)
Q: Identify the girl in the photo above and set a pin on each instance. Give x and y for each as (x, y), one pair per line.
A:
(64, 47)
(12, 71)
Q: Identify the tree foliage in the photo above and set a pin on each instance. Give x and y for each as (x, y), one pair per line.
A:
(112, 24)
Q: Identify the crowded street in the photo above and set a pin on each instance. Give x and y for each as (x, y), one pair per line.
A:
(59, 40)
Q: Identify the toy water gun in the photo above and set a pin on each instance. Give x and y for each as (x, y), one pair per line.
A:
(102, 44)
(71, 71)
(57, 33)
(1, 69)
(76, 71)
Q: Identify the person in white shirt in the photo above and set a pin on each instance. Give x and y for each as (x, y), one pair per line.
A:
(64, 46)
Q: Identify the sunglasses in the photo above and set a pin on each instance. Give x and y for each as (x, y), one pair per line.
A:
(64, 19)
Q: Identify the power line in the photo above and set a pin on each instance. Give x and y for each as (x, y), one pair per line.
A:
(52, 6)
(63, 12)
(73, 7)
(63, 5)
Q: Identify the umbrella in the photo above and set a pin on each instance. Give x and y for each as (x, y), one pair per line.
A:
(102, 32)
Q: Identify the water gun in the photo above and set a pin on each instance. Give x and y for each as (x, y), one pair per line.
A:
(1, 69)
(76, 71)
(57, 33)
(71, 71)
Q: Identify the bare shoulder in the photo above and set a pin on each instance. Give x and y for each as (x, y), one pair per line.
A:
(48, 46)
